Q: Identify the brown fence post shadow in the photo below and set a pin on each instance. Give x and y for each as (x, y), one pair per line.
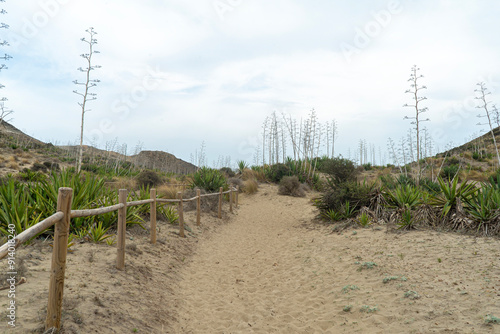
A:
(58, 266)
(220, 203)
(237, 194)
(198, 207)
(122, 217)
(181, 215)
(231, 199)
(152, 215)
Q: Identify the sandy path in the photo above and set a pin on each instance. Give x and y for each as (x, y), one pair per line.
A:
(266, 272)
(251, 276)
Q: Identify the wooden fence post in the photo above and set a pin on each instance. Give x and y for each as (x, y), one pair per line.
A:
(198, 207)
(231, 199)
(152, 215)
(58, 266)
(181, 215)
(122, 221)
(237, 194)
(220, 203)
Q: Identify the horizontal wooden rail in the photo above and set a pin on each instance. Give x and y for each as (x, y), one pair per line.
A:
(207, 195)
(31, 232)
(165, 200)
(95, 212)
(61, 219)
(144, 201)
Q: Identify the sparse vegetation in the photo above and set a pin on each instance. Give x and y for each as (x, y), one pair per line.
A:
(290, 185)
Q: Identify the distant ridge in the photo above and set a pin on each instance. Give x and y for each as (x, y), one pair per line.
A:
(163, 161)
(11, 138)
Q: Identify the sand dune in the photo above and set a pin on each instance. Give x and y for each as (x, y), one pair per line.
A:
(268, 268)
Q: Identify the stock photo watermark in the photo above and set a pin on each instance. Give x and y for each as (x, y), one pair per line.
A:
(463, 111)
(11, 275)
(122, 106)
(222, 7)
(31, 26)
(363, 36)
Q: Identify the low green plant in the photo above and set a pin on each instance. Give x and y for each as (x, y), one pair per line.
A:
(332, 215)
(411, 295)
(388, 279)
(491, 319)
(169, 213)
(347, 308)
(367, 265)
(348, 210)
(97, 233)
(364, 219)
(368, 309)
(349, 288)
(406, 221)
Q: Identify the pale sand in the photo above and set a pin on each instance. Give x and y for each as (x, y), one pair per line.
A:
(268, 268)
(271, 271)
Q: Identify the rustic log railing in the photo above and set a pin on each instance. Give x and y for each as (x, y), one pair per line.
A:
(62, 218)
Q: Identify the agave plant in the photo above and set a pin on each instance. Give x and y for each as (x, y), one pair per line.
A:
(242, 165)
(209, 179)
(450, 192)
(17, 208)
(404, 197)
(484, 204)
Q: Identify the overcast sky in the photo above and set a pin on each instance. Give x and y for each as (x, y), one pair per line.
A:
(176, 73)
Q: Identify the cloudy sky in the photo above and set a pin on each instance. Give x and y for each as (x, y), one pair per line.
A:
(177, 73)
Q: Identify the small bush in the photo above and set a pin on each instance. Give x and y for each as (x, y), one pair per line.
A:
(38, 167)
(209, 179)
(276, 172)
(449, 172)
(250, 186)
(367, 166)
(236, 181)
(337, 194)
(148, 178)
(291, 186)
(340, 169)
(228, 171)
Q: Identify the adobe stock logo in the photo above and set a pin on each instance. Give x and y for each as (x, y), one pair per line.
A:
(126, 103)
(372, 29)
(31, 27)
(224, 6)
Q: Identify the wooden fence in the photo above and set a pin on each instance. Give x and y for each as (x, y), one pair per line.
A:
(61, 219)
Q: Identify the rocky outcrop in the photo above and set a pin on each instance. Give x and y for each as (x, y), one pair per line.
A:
(162, 161)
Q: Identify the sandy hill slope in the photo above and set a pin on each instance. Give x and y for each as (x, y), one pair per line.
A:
(271, 268)
(19, 151)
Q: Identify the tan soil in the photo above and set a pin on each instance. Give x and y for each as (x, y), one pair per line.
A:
(269, 268)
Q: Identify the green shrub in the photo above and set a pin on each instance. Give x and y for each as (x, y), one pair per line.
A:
(340, 169)
(367, 166)
(209, 179)
(449, 172)
(148, 178)
(228, 171)
(337, 195)
(290, 185)
(275, 173)
(38, 167)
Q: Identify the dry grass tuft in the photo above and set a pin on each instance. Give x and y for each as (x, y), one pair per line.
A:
(13, 165)
(250, 186)
(249, 174)
(477, 176)
(168, 192)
